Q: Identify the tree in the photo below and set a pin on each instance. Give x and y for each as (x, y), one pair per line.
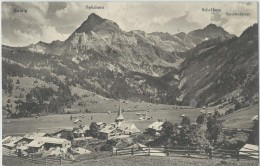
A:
(167, 129)
(168, 134)
(184, 136)
(185, 121)
(201, 119)
(106, 147)
(238, 106)
(214, 129)
(197, 135)
(10, 86)
(67, 135)
(17, 81)
(94, 129)
(216, 114)
(255, 132)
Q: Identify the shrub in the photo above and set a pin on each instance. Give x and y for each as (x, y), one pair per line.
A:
(238, 106)
(106, 147)
(111, 142)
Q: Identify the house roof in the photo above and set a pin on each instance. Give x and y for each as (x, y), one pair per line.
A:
(23, 147)
(36, 143)
(39, 141)
(11, 142)
(77, 120)
(156, 125)
(54, 130)
(99, 123)
(82, 130)
(128, 126)
(250, 150)
(255, 118)
(6, 139)
(107, 129)
(35, 135)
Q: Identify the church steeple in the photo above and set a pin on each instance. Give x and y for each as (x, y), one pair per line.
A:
(119, 117)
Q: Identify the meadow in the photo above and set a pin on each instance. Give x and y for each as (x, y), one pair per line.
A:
(166, 161)
(26, 125)
(239, 119)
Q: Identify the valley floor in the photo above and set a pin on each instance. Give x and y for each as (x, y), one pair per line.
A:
(145, 161)
(239, 119)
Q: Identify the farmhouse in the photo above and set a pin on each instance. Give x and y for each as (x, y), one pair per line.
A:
(155, 128)
(101, 124)
(35, 146)
(42, 143)
(6, 139)
(30, 137)
(81, 131)
(55, 132)
(108, 132)
(11, 142)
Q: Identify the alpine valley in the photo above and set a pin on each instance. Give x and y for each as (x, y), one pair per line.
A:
(207, 66)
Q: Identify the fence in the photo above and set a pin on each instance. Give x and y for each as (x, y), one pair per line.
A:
(184, 151)
(33, 158)
(189, 151)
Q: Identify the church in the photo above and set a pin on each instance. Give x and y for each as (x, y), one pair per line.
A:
(118, 128)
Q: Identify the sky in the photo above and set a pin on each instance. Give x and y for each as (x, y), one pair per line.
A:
(48, 21)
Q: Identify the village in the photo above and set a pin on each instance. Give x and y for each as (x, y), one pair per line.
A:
(58, 142)
(118, 137)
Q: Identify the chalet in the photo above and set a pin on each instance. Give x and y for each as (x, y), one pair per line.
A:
(81, 131)
(202, 112)
(56, 142)
(155, 128)
(36, 146)
(108, 132)
(77, 121)
(30, 137)
(11, 142)
(183, 115)
(56, 132)
(6, 139)
(45, 143)
(101, 124)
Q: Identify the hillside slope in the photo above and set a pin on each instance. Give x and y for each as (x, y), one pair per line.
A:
(211, 73)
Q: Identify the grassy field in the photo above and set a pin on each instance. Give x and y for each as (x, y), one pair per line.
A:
(165, 161)
(143, 161)
(239, 119)
(26, 125)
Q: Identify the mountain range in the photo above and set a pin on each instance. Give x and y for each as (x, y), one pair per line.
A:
(204, 65)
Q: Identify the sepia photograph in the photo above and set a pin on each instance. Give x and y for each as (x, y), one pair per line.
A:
(125, 83)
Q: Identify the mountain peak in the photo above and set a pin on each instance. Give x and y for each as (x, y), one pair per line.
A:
(94, 16)
(211, 26)
(95, 22)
